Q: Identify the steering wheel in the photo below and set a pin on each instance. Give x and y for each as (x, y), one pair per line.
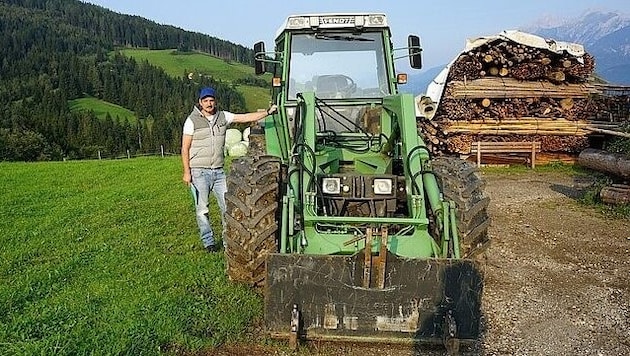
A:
(335, 85)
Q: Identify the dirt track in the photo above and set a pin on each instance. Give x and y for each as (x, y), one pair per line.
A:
(557, 276)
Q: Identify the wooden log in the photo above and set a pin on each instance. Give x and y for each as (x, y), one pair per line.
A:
(603, 161)
(544, 158)
(616, 194)
(557, 76)
(507, 87)
(609, 132)
(518, 126)
(566, 103)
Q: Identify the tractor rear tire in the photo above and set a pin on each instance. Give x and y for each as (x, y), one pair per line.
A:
(461, 182)
(251, 217)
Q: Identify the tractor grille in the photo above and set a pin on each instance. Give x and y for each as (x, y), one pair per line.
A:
(357, 197)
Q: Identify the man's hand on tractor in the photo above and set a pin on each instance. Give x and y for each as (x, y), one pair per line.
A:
(272, 109)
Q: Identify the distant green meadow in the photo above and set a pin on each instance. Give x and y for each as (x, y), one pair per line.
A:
(102, 108)
(192, 65)
(180, 65)
(103, 257)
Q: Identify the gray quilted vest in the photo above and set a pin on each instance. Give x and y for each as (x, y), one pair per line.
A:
(208, 140)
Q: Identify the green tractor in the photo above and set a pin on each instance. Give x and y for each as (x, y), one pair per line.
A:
(338, 213)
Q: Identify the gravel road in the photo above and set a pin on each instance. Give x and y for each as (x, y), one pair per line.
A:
(558, 273)
(557, 277)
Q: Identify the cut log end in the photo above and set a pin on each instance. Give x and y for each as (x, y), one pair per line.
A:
(557, 76)
(566, 103)
(616, 195)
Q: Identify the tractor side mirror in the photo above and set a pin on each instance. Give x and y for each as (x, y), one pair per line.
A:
(259, 58)
(415, 51)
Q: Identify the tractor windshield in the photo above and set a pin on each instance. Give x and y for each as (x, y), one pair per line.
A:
(338, 65)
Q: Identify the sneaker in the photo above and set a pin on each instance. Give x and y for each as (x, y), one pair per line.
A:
(212, 248)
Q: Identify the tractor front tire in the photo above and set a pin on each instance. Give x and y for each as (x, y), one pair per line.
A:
(461, 182)
(251, 216)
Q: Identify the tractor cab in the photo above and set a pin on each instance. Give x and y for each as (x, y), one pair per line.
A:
(346, 61)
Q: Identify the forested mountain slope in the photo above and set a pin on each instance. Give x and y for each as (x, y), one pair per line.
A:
(54, 51)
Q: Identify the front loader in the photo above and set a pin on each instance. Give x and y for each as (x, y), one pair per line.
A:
(339, 213)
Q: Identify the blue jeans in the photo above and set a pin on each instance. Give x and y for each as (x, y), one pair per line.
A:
(204, 181)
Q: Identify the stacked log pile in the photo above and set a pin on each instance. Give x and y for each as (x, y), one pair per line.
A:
(504, 58)
(612, 103)
(508, 91)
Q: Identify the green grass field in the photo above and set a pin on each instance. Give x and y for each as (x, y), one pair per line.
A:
(102, 108)
(255, 97)
(103, 257)
(181, 64)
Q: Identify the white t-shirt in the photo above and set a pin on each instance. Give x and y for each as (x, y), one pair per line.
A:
(189, 127)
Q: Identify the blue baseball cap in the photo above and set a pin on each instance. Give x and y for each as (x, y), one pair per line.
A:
(207, 91)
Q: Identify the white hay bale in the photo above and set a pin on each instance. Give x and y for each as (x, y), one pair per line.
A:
(232, 136)
(246, 134)
(238, 149)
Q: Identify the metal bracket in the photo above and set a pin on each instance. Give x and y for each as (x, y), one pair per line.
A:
(378, 264)
(367, 261)
(382, 260)
(451, 342)
(294, 335)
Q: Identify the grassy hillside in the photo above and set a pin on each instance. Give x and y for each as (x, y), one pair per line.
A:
(255, 97)
(102, 108)
(179, 64)
(192, 65)
(103, 257)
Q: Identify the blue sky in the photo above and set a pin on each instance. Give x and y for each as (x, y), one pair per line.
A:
(442, 25)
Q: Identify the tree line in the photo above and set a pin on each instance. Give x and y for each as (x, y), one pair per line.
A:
(54, 51)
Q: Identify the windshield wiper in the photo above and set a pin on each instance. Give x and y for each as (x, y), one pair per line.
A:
(342, 38)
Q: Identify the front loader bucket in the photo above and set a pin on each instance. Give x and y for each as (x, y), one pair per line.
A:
(420, 301)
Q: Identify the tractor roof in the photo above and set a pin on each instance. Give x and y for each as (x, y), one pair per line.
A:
(333, 21)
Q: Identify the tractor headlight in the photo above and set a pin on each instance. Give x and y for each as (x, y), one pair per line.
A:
(331, 185)
(382, 186)
(297, 22)
(377, 20)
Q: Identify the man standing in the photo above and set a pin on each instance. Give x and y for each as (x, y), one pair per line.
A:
(203, 142)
